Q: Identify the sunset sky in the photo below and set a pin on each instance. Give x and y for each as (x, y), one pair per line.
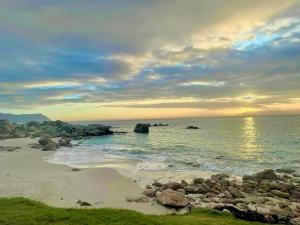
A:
(128, 59)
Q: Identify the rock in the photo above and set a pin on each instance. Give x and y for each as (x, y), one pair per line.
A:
(184, 183)
(172, 199)
(219, 177)
(44, 140)
(97, 130)
(295, 194)
(296, 174)
(81, 203)
(65, 142)
(198, 180)
(192, 127)
(51, 146)
(160, 125)
(235, 192)
(280, 194)
(191, 189)
(141, 199)
(149, 192)
(75, 169)
(5, 127)
(36, 145)
(295, 221)
(285, 170)
(268, 174)
(172, 185)
(157, 184)
(141, 128)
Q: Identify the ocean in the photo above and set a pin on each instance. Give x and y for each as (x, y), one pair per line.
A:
(234, 145)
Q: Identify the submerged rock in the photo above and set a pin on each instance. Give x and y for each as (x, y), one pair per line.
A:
(141, 128)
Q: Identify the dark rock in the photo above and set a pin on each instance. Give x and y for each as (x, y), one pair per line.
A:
(172, 185)
(285, 170)
(81, 203)
(198, 180)
(192, 127)
(184, 183)
(160, 125)
(157, 184)
(141, 128)
(44, 140)
(268, 174)
(75, 169)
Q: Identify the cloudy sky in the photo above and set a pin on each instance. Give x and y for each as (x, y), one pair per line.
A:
(126, 59)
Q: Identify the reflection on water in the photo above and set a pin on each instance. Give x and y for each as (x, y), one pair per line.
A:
(249, 146)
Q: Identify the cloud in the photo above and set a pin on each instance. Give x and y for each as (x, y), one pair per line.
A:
(121, 53)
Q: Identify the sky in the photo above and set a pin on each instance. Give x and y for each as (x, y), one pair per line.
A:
(134, 59)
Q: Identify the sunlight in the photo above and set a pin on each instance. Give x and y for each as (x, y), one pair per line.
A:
(249, 146)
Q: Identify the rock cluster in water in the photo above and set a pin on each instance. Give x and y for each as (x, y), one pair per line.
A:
(142, 128)
(265, 196)
(52, 129)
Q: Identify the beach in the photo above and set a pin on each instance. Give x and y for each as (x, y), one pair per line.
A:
(25, 173)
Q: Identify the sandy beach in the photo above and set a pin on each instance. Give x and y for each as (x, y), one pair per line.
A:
(26, 173)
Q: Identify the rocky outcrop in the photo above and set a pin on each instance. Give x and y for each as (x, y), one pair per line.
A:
(264, 196)
(53, 129)
(141, 128)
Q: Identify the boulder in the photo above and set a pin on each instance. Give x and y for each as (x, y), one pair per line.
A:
(141, 128)
(172, 199)
(51, 146)
(45, 140)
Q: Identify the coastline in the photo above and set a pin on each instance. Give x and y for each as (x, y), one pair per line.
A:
(26, 173)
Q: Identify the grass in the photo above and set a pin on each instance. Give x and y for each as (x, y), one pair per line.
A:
(21, 211)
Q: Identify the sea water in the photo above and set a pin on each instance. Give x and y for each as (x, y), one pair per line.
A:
(235, 145)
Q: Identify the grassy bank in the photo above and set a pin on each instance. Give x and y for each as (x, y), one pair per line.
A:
(17, 211)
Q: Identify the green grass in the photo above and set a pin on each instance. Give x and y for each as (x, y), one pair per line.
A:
(20, 211)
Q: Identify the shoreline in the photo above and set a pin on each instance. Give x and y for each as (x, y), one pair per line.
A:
(264, 196)
(26, 173)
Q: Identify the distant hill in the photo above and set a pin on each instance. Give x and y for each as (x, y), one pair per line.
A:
(24, 118)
